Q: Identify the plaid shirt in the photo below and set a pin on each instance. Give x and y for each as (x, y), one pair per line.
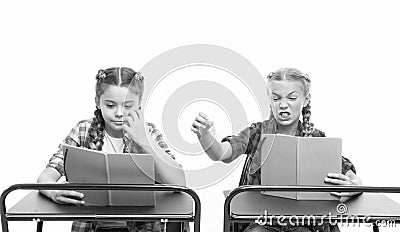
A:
(79, 137)
(248, 142)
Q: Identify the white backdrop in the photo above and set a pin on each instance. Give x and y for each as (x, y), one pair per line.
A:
(50, 52)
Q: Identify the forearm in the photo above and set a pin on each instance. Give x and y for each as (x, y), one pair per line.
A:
(49, 175)
(214, 149)
(167, 170)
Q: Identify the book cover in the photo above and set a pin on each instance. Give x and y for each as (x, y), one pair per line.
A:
(290, 160)
(89, 166)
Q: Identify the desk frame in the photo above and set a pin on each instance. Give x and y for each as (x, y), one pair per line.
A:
(228, 217)
(158, 187)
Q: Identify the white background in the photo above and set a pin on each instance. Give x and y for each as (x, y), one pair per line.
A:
(50, 52)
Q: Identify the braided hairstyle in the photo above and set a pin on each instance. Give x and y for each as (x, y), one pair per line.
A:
(292, 74)
(121, 77)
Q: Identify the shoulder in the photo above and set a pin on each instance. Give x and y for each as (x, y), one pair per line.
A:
(79, 131)
(264, 127)
(83, 125)
(85, 122)
(262, 124)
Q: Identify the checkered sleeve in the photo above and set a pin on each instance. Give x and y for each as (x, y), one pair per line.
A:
(74, 139)
(157, 137)
(245, 141)
(347, 165)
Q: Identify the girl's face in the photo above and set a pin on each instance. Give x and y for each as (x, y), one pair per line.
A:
(287, 100)
(115, 104)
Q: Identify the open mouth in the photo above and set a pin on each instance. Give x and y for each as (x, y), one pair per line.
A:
(284, 115)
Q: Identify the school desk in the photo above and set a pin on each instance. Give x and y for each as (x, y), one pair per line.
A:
(247, 204)
(173, 204)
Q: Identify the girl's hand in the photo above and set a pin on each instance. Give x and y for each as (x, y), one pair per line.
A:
(67, 197)
(201, 124)
(136, 128)
(340, 179)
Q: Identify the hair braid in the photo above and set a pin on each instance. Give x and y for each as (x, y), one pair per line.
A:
(96, 131)
(308, 126)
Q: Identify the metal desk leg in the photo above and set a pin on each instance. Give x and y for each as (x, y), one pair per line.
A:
(4, 225)
(375, 228)
(39, 226)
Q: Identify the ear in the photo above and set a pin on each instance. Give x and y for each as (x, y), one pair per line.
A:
(97, 101)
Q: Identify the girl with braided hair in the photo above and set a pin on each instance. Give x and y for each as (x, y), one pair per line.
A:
(118, 127)
(289, 93)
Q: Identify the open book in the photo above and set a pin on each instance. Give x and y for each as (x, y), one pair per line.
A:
(290, 160)
(89, 166)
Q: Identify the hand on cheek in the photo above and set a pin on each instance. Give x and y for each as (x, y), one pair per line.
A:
(135, 128)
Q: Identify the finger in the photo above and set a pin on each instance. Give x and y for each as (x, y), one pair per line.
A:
(130, 120)
(338, 176)
(135, 115)
(354, 182)
(139, 114)
(205, 122)
(203, 115)
(200, 120)
(199, 125)
(344, 194)
(336, 194)
(73, 194)
(196, 131)
(67, 200)
(335, 181)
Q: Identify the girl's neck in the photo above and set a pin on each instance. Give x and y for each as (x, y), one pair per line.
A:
(113, 133)
(287, 130)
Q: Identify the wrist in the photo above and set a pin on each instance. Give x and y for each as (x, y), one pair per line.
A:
(147, 145)
(48, 193)
(207, 140)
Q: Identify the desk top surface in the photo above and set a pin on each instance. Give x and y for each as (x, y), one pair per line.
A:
(367, 204)
(167, 203)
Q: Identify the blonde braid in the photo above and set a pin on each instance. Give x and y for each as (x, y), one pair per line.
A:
(308, 126)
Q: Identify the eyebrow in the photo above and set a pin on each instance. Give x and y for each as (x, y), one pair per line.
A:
(286, 95)
(131, 101)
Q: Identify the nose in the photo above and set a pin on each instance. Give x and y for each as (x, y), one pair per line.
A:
(119, 112)
(283, 104)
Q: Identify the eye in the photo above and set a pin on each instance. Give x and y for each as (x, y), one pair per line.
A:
(128, 106)
(110, 105)
(275, 98)
(292, 98)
